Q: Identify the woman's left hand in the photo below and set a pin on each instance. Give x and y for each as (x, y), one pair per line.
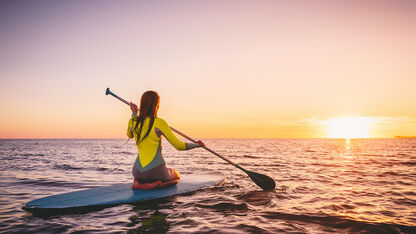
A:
(133, 107)
(201, 143)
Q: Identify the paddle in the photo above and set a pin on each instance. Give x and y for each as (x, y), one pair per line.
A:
(263, 181)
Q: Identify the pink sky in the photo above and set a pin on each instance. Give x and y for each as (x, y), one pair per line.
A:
(222, 68)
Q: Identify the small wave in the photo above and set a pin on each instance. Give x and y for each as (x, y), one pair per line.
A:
(409, 163)
(339, 223)
(324, 165)
(391, 173)
(46, 182)
(123, 152)
(363, 204)
(251, 156)
(304, 190)
(404, 183)
(107, 169)
(410, 193)
(342, 207)
(225, 206)
(66, 167)
(387, 213)
(29, 155)
(102, 169)
(250, 228)
(275, 166)
(257, 198)
(405, 201)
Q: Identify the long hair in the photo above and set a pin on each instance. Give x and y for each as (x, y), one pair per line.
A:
(148, 108)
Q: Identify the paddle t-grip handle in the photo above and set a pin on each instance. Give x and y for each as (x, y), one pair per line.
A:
(107, 92)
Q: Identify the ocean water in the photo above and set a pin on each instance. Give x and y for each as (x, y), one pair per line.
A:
(322, 185)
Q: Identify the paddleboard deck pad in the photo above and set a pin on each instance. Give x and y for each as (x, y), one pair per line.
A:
(123, 193)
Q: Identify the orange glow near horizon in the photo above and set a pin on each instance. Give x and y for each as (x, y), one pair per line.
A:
(349, 127)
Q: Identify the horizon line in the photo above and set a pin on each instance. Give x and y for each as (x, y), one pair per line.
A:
(114, 138)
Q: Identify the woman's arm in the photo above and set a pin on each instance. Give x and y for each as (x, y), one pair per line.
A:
(134, 110)
(194, 145)
(174, 141)
(130, 128)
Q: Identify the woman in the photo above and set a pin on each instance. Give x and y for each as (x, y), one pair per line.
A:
(148, 129)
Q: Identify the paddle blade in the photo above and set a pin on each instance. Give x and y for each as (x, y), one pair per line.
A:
(263, 181)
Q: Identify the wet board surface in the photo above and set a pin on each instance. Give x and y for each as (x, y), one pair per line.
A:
(123, 193)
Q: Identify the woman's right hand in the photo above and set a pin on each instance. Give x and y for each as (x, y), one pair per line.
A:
(134, 107)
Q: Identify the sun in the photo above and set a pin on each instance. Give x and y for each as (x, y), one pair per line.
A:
(349, 127)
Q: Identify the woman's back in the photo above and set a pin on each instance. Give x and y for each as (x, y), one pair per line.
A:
(151, 146)
(147, 129)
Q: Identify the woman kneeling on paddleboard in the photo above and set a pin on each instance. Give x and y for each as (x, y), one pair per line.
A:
(148, 129)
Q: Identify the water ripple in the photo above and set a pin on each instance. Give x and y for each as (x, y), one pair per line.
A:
(323, 185)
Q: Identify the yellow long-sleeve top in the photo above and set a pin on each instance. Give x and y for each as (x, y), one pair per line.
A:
(150, 149)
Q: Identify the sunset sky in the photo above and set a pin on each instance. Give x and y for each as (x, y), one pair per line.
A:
(223, 69)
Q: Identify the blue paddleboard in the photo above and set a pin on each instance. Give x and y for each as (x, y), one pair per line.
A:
(123, 193)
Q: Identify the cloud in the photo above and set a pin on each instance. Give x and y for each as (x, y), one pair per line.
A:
(397, 122)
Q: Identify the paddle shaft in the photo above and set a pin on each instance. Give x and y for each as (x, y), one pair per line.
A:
(180, 133)
(209, 150)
